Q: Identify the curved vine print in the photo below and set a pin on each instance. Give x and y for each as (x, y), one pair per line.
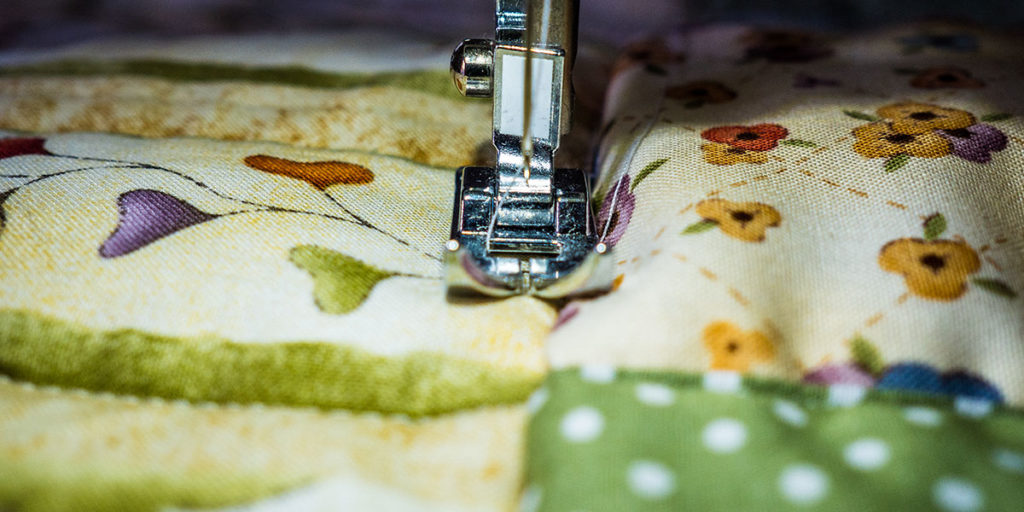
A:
(146, 216)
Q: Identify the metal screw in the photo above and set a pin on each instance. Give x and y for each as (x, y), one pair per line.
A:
(473, 68)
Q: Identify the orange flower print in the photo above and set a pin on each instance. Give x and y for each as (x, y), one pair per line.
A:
(743, 221)
(933, 269)
(724, 154)
(735, 349)
(907, 130)
(913, 118)
(321, 175)
(880, 140)
(759, 137)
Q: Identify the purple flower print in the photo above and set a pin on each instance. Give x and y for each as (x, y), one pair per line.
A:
(611, 231)
(567, 313)
(851, 374)
(975, 143)
(147, 216)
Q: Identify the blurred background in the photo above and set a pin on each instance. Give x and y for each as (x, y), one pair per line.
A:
(38, 23)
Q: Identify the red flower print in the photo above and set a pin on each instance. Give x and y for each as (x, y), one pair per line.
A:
(22, 146)
(759, 137)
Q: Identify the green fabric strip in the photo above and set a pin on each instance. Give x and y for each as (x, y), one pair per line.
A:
(429, 81)
(48, 351)
(99, 487)
(602, 439)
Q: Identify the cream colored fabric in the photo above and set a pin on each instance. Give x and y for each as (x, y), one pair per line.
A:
(803, 273)
(257, 232)
(226, 230)
(232, 277)
(73, 439)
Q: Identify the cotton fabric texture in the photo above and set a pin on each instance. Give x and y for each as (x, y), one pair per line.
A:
(221, 281)
(819, 282)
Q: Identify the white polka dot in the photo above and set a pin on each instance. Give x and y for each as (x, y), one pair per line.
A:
(972, 407)
(597, 373)
(957, 495)
(582, 424)
(790, 412)
(867, 454)
(722, 382)
(803, 484)
(537, 400)
(530, 501)
(923, 416)
(845, 395)
(655, 394)
(1009, 460)
(650, 480)
(724, 435)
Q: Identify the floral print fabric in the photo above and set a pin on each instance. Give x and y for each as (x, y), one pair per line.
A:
(233, 290)
(815, 239)
(817, 302)
(799, 197)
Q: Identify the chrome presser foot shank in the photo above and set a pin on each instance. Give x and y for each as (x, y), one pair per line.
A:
(522, 227)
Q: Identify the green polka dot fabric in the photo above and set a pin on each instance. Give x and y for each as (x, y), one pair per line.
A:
(602, 438)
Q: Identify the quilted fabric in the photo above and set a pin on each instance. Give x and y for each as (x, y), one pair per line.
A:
(220, 282)
(819, 258)
(252, 237)
(841, 210)
(608, 439)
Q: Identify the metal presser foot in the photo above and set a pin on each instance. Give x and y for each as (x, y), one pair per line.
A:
(522, 227)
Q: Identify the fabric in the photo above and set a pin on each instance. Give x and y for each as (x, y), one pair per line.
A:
(819, 260)
(221, 281)
(204, 243)
(66, 449)
(797, 205)
(625, 440)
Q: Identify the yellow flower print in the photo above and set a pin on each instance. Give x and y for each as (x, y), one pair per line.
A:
(914, 118)
(880, 140)
(744, 221)
(724, 154)
(933, 269)
(734, 349)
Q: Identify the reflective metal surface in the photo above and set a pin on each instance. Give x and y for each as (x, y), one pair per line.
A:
(472, 68)
(523, 226)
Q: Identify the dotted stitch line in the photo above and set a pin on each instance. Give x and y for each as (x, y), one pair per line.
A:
(739, 297)
(879, 316)
(710, 275)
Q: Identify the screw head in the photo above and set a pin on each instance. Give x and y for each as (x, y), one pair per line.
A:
(472, 68)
